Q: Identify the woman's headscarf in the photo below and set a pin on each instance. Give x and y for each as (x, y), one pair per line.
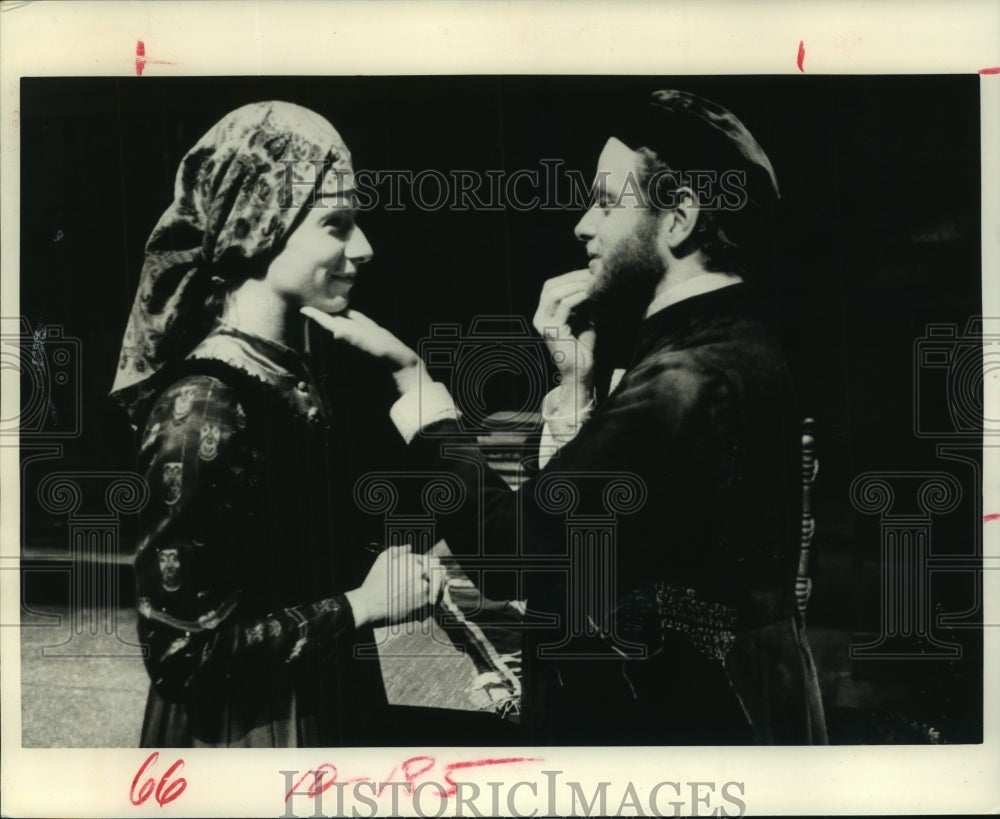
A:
(238, 194)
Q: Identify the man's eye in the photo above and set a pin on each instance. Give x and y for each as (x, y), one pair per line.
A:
(605, 201)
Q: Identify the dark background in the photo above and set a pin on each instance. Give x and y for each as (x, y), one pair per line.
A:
(880, 178)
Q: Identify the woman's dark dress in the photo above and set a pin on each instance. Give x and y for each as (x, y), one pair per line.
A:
(247, 548)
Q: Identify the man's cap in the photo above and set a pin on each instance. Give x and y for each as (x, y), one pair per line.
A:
(689, 133)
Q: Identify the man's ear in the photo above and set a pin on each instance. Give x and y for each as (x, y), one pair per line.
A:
(678, 223)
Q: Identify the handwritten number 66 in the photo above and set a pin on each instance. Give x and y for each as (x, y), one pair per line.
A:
(166, 791)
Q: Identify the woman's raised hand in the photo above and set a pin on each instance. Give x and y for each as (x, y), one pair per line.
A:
(398, 584)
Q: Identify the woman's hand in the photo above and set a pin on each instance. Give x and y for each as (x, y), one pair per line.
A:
(398, 584)
(362, 333)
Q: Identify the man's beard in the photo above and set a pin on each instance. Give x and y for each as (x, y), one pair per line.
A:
(629, 277)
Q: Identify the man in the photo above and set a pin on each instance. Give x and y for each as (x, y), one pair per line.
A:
(679, 626)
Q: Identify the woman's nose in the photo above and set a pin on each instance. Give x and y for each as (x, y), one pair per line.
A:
(358, 250)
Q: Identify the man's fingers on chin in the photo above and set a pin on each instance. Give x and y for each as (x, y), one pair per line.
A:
(573, 274)
(567, 304)
(555, 281)
(574, 299)
(564, 289)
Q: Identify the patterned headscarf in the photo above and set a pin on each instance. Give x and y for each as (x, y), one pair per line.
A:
(238, 194)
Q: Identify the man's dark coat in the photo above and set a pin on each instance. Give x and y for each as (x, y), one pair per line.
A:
(664, 538)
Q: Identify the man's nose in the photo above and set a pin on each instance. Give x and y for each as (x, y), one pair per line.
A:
(358, 250)
(584, 230)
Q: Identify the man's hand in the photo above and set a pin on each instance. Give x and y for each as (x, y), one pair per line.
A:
(398, 584)
(572, 355)
(361, 332)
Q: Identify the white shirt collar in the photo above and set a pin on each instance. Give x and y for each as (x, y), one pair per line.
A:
(695, 286)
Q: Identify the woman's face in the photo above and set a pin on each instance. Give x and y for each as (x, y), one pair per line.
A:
(318, 264)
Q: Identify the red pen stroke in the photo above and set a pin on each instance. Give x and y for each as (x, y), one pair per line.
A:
(479, 763)
(992, 70)
(140, 59)
(802, 56)
(988, 518)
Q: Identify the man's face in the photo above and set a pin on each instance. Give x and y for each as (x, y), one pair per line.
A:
(620, 233)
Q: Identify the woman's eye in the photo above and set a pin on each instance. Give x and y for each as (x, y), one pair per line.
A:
(339, 222)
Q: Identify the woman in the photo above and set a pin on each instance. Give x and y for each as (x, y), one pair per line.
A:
(247, 584)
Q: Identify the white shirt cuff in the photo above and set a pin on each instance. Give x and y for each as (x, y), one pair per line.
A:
(559, 428)
(420, 407)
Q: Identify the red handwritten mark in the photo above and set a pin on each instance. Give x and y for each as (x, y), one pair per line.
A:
(164, 792)
(993, 70)
(988, 518)
(412, 769)
(479, 763)
(140, 58)
(411, 775)
(802, 56)
(318, 785)
(385, 782)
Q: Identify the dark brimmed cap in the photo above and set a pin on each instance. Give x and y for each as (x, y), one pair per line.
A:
(688, 132)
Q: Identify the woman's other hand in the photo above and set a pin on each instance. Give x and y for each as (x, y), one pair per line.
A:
(398, 584)
(361, 332)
